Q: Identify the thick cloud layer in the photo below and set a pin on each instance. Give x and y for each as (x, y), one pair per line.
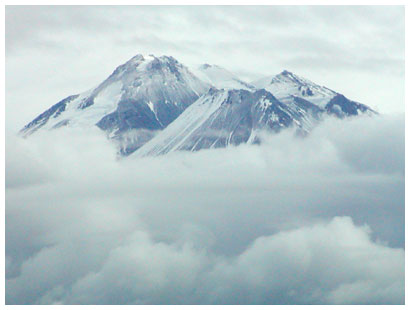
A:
(294, 220)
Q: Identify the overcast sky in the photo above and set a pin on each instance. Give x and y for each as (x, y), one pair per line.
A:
(53, 52)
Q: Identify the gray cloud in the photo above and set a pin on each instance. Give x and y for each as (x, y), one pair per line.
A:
(217, 226)
(385, 145)
(306, 265)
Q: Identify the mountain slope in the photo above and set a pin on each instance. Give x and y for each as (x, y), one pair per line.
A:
(229, 117)
(233, 116)
(141, 96)
(289, 88)
(286, 85)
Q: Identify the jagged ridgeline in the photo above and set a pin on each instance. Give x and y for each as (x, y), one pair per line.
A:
(156, 105)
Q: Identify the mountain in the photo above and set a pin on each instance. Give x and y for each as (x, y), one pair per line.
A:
(287, 85)
(153, 105)
(230, 117)
(290, 88)
(139, 98)
(233, 116)
(220, 77)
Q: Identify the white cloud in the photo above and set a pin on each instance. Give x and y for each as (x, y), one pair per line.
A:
(333, 262)
(284, 222)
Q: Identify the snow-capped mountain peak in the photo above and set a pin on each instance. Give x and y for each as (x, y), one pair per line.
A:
(286, 75)
(286, 85)
(163, 69)
(151, 96)
(146, 92)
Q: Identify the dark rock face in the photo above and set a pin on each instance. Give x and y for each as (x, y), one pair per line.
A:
(87, 103)
(130, 114)
(342, 107)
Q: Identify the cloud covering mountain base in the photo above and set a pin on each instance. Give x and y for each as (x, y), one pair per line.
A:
(315, 220)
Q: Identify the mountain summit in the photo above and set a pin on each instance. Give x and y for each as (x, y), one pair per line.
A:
(160, 99)
(287, 85)
(143, 95)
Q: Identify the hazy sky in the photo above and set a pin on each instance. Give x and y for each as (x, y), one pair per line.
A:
(53, 52)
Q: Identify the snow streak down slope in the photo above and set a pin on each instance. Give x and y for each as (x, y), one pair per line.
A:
(145, 93)
(220, 77)
(229, 117)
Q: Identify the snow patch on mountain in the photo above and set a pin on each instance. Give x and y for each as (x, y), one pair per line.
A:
(287, 85)
(220, 77)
